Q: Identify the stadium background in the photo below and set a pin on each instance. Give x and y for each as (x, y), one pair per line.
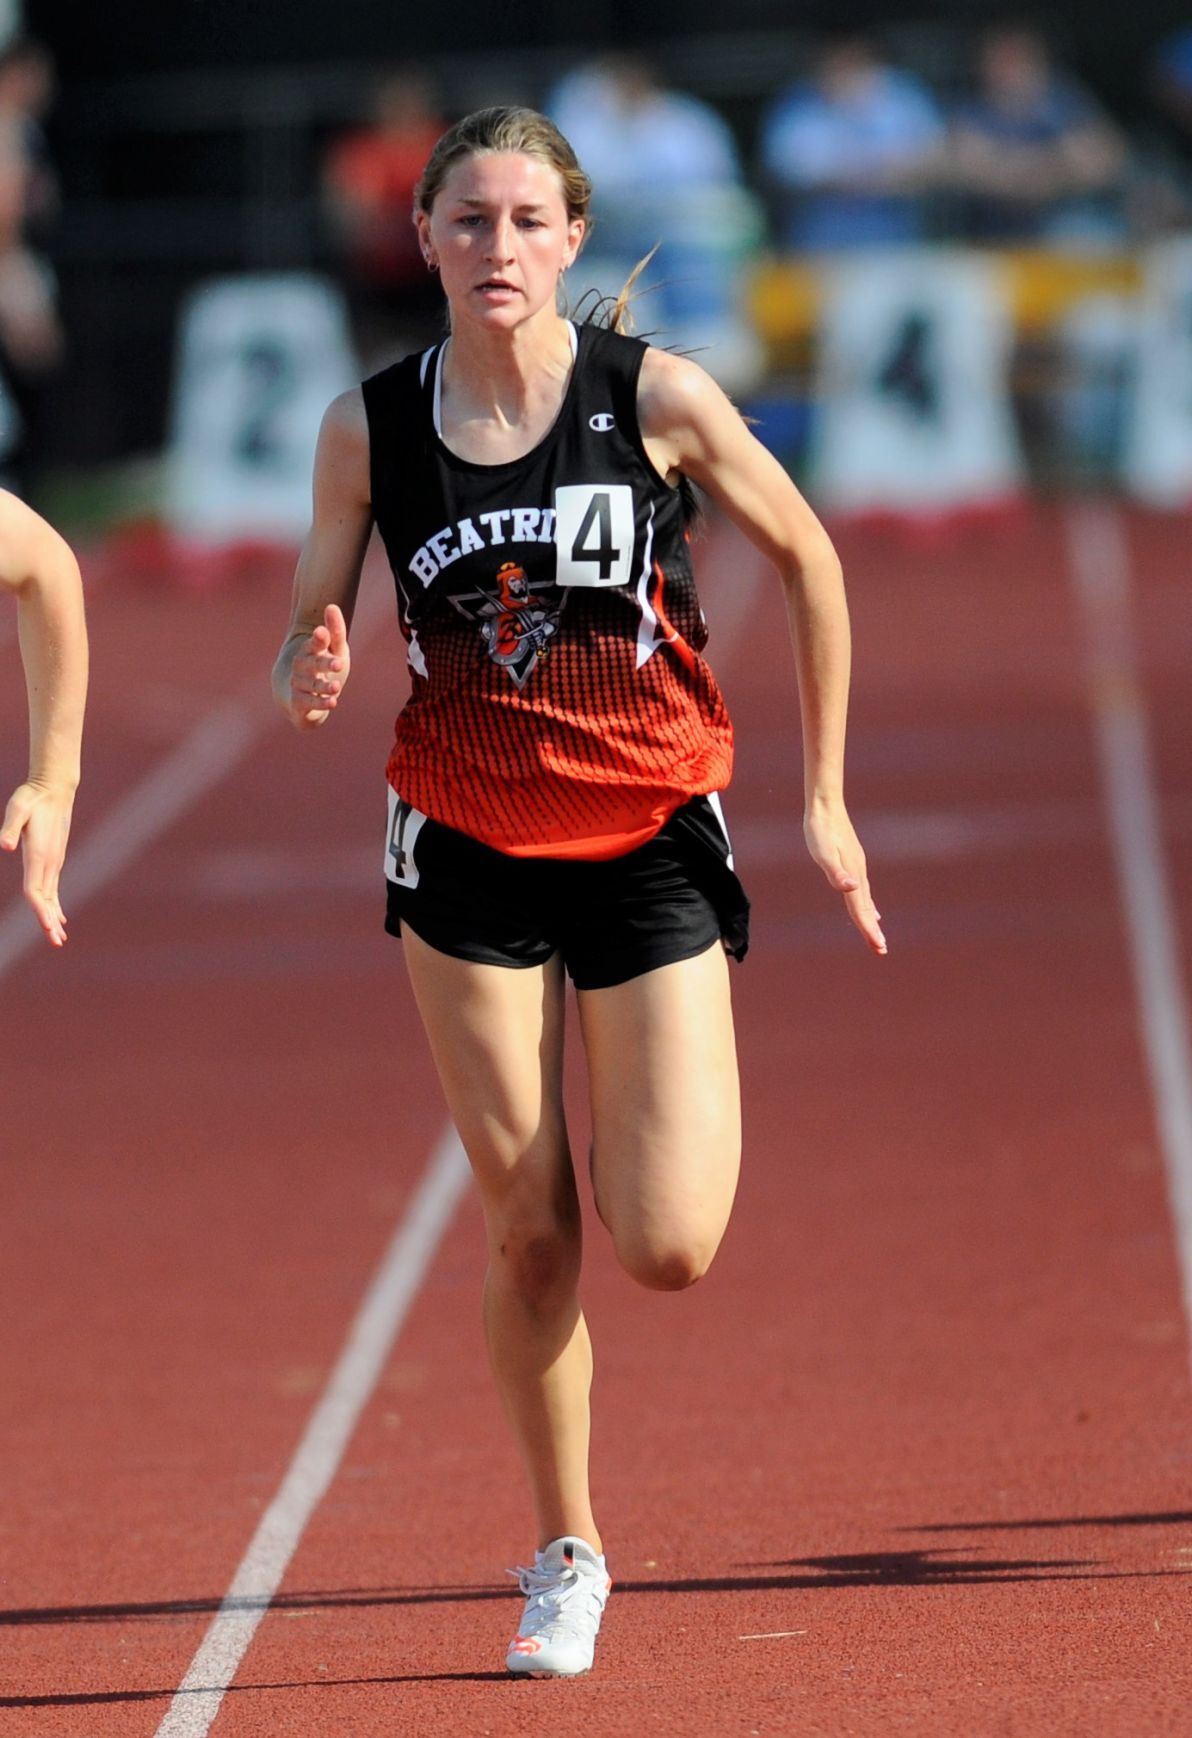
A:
(914, 1458)
(188, 138)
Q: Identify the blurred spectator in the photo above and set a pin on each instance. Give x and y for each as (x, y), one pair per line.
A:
(369, 179)
(27, 90)
(1171, 83)
(666, 174)
(30, 335)
(851, 151)
(634, 138)
(1036, 156)
(1159, 188)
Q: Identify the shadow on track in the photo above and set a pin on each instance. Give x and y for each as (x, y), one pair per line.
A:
(100, 1697)
(872, 1569)
(924, 1568)
(1173, 1518)
(875, 1569)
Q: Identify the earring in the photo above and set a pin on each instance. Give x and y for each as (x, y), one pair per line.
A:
(432, 264)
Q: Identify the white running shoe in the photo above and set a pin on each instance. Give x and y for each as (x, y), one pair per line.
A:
(565, 1593)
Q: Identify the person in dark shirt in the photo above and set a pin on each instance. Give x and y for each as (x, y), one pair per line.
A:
(369, 177)
(1033, 153)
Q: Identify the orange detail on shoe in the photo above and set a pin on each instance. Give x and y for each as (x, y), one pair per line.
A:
(526, 1644)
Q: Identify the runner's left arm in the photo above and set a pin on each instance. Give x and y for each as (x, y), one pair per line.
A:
(690, 426)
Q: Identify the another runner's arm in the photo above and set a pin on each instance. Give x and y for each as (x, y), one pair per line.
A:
(313, 663)
(691, 426)
(39, 568)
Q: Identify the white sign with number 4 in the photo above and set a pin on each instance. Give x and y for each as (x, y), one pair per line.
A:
(913, 404)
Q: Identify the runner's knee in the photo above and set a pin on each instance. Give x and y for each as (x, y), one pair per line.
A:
(665, 1264)
(536, 1256)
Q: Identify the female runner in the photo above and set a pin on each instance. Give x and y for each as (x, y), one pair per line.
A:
(553, 781)
(37, 566)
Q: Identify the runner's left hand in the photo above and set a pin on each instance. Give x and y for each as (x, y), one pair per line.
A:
(833, 843)
(38, 819)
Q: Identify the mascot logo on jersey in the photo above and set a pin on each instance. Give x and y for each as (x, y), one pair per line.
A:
(516, 621)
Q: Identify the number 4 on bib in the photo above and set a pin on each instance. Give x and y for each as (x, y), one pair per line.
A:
(594, 534)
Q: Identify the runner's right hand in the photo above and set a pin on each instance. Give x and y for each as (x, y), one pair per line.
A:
(319, 670)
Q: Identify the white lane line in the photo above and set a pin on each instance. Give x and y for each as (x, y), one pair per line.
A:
(179, 780)
(772, 1635)
(316, 1461)
(1101, 574)
(216, 744)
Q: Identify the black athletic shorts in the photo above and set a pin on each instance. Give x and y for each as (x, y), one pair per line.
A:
(669, 900)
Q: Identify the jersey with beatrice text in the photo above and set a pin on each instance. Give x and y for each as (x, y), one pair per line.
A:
(560, 704)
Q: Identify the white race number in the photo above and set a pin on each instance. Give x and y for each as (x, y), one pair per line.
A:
(594, 534)
(405, 824)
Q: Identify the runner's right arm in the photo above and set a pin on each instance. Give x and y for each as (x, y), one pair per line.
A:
(314, 661)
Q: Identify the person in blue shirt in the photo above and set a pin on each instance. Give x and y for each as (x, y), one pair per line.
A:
(851, 152)
(671, 188)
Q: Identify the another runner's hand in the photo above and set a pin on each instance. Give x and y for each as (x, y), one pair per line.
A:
(833, 843)
(319, 670)
(38, 818)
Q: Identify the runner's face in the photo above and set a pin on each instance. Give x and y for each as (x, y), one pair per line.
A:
(500, 233)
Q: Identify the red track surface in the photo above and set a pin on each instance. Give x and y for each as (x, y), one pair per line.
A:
(929, 1416)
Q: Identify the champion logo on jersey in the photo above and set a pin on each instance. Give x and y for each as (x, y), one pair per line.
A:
(602, 421)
